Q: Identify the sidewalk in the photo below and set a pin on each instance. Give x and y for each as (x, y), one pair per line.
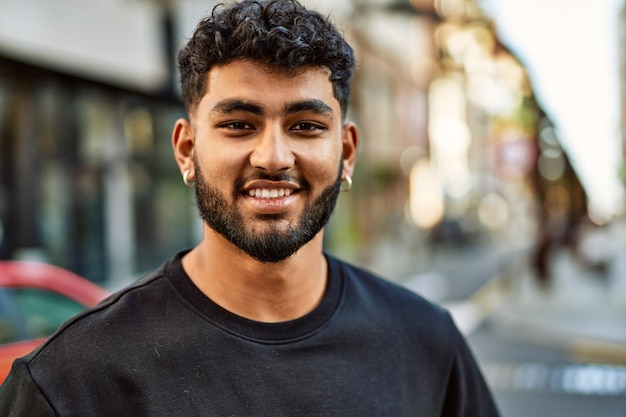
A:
(494, 285)
(582, 312)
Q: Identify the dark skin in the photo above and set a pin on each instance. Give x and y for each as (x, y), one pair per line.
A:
(256, 120)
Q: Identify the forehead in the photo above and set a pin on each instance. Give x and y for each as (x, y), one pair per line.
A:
(247, 80)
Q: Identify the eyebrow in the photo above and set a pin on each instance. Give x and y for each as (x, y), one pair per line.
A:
(314, 105)
(228, 106)
(234, 105)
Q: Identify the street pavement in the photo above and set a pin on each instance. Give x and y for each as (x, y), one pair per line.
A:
(559, 351)
(583, 310)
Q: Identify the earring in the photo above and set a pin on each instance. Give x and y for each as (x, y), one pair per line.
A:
(188, 183)
(348, 181)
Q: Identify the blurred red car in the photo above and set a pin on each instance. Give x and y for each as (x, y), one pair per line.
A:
(35, 299)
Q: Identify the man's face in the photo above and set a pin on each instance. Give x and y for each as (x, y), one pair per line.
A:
(268, 157)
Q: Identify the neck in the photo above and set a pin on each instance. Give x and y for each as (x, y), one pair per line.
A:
(265, 292)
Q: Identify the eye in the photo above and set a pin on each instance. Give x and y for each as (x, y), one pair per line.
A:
(236, 126)
(308, 127)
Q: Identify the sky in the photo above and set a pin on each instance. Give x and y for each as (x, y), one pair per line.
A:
(570, 48)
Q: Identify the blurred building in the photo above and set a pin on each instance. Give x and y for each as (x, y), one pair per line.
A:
(622, 77)
(449, 132)
(449, 125)
(87, 103)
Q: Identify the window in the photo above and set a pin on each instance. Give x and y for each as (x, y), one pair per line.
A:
(29, 313)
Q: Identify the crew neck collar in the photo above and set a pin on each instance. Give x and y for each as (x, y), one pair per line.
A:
(269, 333)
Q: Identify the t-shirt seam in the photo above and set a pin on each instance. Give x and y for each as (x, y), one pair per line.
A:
(103, 305)
(34, 381)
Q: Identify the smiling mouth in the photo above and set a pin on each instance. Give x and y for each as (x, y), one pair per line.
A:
(270, 193)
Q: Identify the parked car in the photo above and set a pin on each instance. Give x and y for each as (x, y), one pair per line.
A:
(35, 298)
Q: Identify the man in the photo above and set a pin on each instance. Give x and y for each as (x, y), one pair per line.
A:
(257, 320)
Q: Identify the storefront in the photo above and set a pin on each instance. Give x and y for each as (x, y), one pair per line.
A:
(87, 177)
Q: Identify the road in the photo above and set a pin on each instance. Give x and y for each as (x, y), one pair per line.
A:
(558, 353)
(542, 381)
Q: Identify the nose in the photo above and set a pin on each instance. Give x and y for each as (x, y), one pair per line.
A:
(272, 151)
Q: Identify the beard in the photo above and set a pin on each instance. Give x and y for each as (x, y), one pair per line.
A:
(272, 245)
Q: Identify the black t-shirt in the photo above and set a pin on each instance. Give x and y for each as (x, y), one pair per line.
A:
(162, 348)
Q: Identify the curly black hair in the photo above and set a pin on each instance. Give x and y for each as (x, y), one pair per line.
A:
(282, 34)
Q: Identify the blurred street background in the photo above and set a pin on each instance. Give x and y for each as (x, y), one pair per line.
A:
(490, 177)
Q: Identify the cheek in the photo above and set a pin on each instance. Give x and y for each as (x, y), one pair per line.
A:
(218, 161)
(323, 168)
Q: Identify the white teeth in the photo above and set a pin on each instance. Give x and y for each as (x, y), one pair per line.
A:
(273, 193)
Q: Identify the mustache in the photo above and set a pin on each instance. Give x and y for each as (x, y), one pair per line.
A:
(283, 176)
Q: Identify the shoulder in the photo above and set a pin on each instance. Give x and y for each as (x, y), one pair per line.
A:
(120, 335)
(388, 298)
(104, 325)
(392, 312)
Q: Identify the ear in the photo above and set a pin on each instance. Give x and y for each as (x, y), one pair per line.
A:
(350, 140)
(183, 142)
